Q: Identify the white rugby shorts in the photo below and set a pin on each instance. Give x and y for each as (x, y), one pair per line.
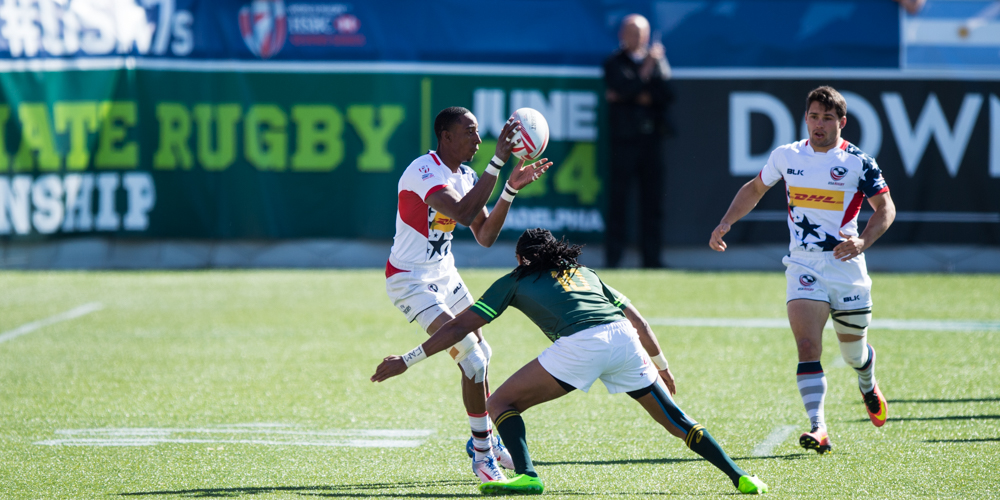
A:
(820, 276)
(610, 352)
(420, 287)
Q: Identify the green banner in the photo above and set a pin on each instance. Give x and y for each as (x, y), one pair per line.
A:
(172, 154)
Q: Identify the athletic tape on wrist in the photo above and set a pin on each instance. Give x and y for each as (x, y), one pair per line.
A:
(495, 165)
(415, 356)
(508, 192)
(660, 362)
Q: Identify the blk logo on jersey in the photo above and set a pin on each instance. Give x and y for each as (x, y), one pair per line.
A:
(807, 280)
(852, 299)
(837, 173)
(793, 171)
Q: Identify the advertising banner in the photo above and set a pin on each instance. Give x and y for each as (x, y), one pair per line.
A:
(168, 154)
(936, 141)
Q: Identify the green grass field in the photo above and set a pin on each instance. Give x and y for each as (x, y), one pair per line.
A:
(254, 384)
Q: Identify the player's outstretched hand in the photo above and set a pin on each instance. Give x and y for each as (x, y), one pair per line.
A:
(390, 367)
(526, 174)
(851, 247)
(506, 140)
(716, 241)
(668, 378)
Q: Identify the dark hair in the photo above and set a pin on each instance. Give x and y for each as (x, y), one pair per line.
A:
(541, 251)
(829, 98)
(446, 118)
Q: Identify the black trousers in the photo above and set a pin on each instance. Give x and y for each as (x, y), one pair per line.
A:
(635, 161)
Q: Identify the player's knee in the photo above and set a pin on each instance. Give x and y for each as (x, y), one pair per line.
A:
(487, 350)
(854, 322)
(808, 350)
(474, 365)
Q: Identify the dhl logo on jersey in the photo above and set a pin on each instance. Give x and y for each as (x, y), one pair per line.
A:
(442, 223)
(822, 199)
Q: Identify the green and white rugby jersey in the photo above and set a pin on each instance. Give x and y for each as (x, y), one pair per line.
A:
(561, 304)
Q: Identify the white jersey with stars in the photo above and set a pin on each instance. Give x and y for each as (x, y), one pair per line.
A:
(824, 191)
(423, 236)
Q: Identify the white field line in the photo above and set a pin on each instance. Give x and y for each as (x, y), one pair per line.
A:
(766, 447)
(264, 434)
(127, 441)
(877, 324)
(66, 316)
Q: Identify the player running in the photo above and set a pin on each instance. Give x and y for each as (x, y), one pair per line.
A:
(826, 179)
(596, 334)
(436, 192)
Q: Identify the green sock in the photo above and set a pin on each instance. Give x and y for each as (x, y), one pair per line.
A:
(702, 443)
(510, 425)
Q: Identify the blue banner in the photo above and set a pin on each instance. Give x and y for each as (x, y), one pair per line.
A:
(709, 33)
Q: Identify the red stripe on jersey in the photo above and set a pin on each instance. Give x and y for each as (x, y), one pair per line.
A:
(434, 190)
(844, 144)
(853, 208)
(880, 191)
(435, 158)
(391, 270)
(413, 211)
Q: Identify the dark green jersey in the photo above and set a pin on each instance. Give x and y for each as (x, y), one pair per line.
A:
(561, 304)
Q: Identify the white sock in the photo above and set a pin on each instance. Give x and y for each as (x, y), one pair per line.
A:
(482, 435)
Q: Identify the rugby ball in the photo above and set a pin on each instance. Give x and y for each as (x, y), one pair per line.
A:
(533, 136)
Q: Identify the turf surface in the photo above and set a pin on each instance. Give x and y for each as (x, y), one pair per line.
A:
(254, 384)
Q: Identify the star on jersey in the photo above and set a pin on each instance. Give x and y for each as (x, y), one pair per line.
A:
(829, 243)
(438, 246)
(807, 227)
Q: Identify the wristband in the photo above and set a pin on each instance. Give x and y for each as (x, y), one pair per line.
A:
(415, 356)
(660, 361)
(494, 166)
(508, 192)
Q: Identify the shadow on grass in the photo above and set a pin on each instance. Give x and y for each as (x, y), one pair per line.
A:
(973, 440)
(956, 400)
(368, 490)
(657, 461)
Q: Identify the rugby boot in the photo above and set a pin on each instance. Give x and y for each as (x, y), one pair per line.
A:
(486, 470)
(816, 439)
(752, 485)
(876, 406)
(520, 484)
(502, 455)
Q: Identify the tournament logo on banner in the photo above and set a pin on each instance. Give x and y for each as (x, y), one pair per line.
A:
(263, 25)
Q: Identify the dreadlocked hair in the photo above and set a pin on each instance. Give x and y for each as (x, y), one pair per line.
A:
(540, 251)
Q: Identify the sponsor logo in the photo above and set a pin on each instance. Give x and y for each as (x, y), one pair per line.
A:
(405, 309)
(823, 199)
(793, 171)
(433, 287)
(807, 280)
(263, 25)
(837, 173)
(457, 288)
(443, 223)
(426, 176)
(852, 299)
(324, 24)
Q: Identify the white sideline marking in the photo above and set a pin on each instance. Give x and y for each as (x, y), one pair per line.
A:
(766, 447)
(66, 316)
(877, 324)
(264, 434)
